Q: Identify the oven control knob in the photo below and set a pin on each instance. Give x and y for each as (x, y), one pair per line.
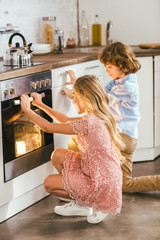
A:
(33, 85)
(48, 81)
(44, 83)
(39, 84)
(12, 91)
(6, 92)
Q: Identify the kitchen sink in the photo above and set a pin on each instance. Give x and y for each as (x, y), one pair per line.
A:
(85, 49)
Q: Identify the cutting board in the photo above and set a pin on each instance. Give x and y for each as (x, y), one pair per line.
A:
(150, 45)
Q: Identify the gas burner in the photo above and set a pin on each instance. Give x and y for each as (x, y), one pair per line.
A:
(10, 68)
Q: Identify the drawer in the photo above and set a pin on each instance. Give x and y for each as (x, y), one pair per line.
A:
(60, 77)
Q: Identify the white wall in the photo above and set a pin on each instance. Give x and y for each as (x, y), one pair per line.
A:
(27, 14)
(134, 21)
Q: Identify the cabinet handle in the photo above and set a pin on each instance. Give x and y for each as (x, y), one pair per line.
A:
(63, 74)
(96, 66)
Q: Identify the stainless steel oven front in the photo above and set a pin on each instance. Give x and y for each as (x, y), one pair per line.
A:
(25, 145)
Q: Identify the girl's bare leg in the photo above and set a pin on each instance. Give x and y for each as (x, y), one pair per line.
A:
(58, 158)
(53, 183)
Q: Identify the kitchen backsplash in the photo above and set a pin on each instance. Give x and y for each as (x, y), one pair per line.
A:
(28, 16)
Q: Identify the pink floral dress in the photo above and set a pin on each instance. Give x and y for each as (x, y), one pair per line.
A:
(93, 176)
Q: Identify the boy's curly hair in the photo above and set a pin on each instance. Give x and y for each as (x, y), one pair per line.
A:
(120, 55)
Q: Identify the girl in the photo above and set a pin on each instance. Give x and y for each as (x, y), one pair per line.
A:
(123, 94)
(92, 177)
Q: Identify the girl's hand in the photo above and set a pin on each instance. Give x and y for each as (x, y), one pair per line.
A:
(25, 102)
(37, 99)
(67, 92)
(72, 76)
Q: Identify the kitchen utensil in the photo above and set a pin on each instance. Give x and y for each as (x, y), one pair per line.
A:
(58, 37)
(18, 56)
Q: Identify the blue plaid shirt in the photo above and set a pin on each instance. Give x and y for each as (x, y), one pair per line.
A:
(123, 96)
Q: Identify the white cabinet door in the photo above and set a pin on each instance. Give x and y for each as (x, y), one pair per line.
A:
(62, 104)
(157, 101)
(157, 121)
(60, 77)
(145, 80)
(94, 67)
(145, 77)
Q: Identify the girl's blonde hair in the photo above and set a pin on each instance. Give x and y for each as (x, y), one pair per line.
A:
(120, 55)
(93, 98)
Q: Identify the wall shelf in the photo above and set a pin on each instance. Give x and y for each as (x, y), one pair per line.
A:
(8, 32)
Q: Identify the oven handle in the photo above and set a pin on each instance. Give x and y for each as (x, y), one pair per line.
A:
(18, 102)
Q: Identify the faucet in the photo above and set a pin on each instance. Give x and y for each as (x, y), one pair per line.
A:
(109, 25)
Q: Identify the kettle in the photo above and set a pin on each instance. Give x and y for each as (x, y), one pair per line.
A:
(18, 56)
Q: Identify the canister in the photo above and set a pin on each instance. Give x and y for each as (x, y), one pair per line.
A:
(49, 25)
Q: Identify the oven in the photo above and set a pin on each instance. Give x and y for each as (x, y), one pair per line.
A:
(25, 146)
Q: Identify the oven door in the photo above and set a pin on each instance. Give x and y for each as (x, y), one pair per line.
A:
(25, 145)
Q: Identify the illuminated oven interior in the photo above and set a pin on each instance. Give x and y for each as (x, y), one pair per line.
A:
(27, 136)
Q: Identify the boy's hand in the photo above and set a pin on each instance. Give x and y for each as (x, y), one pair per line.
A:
(72, 77)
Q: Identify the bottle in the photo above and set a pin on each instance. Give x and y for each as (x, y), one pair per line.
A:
(96, 32)
(84, 30)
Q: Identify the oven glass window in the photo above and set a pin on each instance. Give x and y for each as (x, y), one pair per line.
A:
(25, 134)
(20, 135)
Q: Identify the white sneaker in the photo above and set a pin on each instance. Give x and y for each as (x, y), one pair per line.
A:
(65, 199)
(72, 209)
(96, 217)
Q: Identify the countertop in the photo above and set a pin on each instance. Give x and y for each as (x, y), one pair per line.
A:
(69, 57)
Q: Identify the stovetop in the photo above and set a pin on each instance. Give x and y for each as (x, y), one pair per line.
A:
(11, 68)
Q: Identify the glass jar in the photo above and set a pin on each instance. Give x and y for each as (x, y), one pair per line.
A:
(49, 25)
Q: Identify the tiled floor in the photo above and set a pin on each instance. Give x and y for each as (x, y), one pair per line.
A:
(138, 220)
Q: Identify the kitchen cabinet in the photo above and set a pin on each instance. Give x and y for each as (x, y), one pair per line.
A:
(148, 128)
(95, 68)
(60, 77)
(157, 100)
(61, 102)
(148, 147)
(144, 148)
(145, 80)
(92, 68)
